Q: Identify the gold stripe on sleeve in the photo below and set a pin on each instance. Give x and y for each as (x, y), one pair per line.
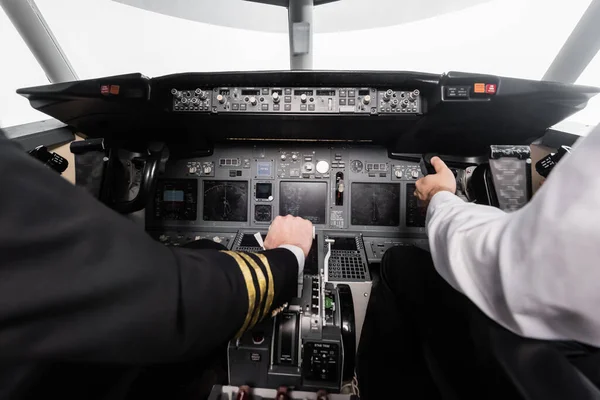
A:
(249, 287)
(271, 284)
(262, 285)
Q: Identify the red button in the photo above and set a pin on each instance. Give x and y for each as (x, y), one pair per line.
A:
(490, 88)
(104, 89)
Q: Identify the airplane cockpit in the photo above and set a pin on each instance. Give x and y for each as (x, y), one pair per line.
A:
(219, 155)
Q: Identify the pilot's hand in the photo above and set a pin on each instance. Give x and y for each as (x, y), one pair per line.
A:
(290, 230)
(442, 180)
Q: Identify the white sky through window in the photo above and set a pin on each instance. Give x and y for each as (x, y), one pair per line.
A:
(517, 38)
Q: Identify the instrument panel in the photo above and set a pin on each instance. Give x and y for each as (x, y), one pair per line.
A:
(336, 188)
(354, 189)
(304, 100)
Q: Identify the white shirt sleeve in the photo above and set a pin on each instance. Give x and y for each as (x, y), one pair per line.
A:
(535, 271)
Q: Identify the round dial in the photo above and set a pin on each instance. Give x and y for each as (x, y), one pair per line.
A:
(356, 166)
(322, 167)
(308, 167)
(262, 213)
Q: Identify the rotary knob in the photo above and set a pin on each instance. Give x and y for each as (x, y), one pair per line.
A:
(283, 157)
(404, 103)
(322, 167)
(303, 98)
(294, 157)
(253, 101)
(398, 173)
(221, 98)
(394, 103)
(202, 94)
(367, 99)
(414, 173)
(207, 170)
(388, 95)
(276, 97)
(414, 95)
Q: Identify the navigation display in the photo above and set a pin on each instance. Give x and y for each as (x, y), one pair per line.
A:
(226, 201)
(304, 199)
(375, 204)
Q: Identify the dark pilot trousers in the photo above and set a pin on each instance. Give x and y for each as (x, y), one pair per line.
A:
(424, 340)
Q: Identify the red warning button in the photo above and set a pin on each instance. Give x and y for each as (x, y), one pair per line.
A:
(490, 88)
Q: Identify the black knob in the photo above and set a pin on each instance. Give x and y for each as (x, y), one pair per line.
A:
(425, 164)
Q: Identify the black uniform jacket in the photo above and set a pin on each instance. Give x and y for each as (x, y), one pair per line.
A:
(80, 284)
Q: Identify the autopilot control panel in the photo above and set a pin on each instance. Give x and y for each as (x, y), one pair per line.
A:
(304, 100)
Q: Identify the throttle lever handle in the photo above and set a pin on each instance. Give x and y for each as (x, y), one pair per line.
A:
(425, 164)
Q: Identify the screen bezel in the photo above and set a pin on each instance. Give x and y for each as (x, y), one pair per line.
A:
(203, 197)
(314, 182)
(372, 226)
(188, 186)
(256, 185)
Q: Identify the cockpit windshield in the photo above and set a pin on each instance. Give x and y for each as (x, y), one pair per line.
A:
(515, 38)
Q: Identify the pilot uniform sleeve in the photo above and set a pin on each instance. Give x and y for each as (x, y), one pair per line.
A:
(241, 289)
(534, 271)
(79, 282)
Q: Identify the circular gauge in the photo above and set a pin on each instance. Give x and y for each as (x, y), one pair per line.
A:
(322, 167)
(262, 213)
(356, 166)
